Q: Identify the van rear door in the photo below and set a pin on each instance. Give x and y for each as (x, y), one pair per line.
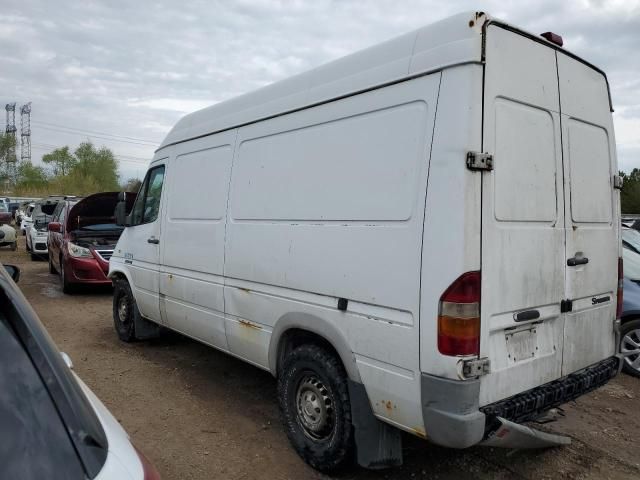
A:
(523, 252)
(592, 223)
(547, 203)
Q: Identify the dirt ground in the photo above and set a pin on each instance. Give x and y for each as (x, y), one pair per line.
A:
(201, 414)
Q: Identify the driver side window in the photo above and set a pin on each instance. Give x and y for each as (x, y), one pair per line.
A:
(147, 205)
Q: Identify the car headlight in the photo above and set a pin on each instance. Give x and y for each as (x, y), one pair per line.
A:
(78, 251)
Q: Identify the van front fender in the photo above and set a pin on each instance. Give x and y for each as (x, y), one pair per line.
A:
(116, 271)
(318, 326)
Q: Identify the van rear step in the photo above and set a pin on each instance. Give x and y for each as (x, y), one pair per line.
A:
(531, 404)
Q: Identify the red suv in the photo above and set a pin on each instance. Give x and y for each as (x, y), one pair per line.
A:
(82, 236)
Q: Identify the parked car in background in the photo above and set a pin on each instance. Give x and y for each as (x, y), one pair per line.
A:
(5, 214)
(8, 236)
(13, 209)
(630, 329)
(52, 424)
(38, 233)
(25, 224)
(82, 236)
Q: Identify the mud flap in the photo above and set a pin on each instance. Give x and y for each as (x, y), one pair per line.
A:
(145, 329)
(378, 445)
(514, 435)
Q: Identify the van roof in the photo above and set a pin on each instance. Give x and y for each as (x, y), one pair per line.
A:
(453, 41)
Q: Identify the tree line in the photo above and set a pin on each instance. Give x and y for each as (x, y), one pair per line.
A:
(85, 170)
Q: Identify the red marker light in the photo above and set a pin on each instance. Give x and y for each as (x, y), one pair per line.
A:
(553, 38)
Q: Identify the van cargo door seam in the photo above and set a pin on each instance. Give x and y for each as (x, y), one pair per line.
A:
(564, 213)
(424, 218)
(226, 229)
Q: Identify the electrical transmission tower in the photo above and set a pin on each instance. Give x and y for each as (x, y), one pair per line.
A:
(10, 130)
(25, 132)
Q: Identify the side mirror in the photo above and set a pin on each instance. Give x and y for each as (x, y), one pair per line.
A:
(121, 210)
(54, 227)
(13, 271)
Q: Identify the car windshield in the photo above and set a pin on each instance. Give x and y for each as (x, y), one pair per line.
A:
(3, 207)
(631, 263)
(632, 238)
(41, 221)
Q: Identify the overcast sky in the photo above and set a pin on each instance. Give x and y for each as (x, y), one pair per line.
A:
(126, 71)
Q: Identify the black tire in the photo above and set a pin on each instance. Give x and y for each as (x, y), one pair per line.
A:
(52, 269)
(307, 371)
(630, 330)
(125, 311)
(67, 287)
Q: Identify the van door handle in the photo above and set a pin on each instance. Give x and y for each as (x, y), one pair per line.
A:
(572, 262)
(153, 240)
(526, 315)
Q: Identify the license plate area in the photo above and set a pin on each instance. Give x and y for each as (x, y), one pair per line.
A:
(521, 344)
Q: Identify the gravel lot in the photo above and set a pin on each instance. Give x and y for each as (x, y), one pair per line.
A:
(201, 414)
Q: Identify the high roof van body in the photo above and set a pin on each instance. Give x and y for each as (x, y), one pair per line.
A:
(422, 235)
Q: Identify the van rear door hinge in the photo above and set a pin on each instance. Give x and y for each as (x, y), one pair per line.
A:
(479, 161)
(566, 306)
(476, 367)
(617, 182)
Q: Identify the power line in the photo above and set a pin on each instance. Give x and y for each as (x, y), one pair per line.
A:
(61, 130)
(82, 130)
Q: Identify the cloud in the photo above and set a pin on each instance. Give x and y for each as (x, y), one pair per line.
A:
(134, 68)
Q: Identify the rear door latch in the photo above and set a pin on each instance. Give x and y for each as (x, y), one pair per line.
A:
(476, 367)
(479, 161)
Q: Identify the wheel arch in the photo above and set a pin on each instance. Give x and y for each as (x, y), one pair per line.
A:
(118, 273)
(294, 329)
(630, 316)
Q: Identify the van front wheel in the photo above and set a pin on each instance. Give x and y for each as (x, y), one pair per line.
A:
(314, 403)
(124, 310)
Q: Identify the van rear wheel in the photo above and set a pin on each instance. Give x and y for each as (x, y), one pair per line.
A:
(124, 310)
(314, 404)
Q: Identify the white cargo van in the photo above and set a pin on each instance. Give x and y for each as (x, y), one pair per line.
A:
(422, 235)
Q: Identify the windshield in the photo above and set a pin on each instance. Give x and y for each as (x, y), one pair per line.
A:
(632, 238)
(631, 264)
(3, 207)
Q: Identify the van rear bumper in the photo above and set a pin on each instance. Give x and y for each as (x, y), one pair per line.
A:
(453, 419)
(530, 404)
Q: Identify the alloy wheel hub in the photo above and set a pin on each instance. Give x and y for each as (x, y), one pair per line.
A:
(630, 349)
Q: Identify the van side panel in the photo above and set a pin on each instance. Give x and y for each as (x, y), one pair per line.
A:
(328, 203)
(451, 243)
(192, 248)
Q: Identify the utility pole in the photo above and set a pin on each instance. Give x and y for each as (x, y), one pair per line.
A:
(25, 132)
(10, 130)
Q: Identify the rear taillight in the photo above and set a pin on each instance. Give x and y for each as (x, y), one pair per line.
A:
(459, 317)
(150, 472)
(620, 284)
